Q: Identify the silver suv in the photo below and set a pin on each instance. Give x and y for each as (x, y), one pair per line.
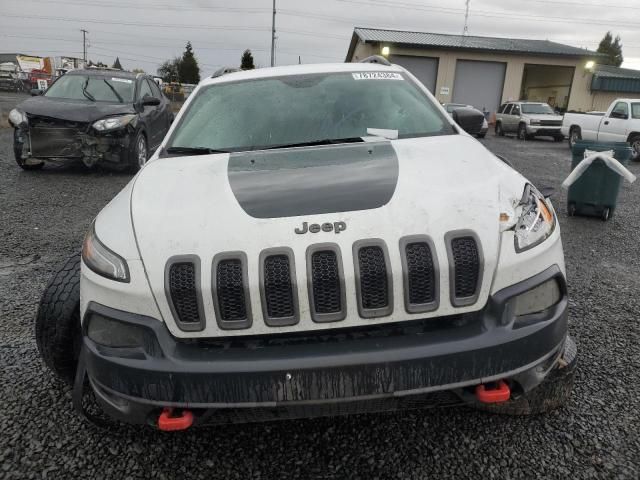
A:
(528, 120)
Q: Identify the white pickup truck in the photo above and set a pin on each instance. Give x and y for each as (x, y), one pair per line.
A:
(620, 123)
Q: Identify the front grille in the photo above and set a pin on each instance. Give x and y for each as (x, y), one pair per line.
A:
(230, 290)
(326, 283)
(183, 292)
(374, 281)
(420, 271)
(551, 123)
(466, 266)
(279, 300)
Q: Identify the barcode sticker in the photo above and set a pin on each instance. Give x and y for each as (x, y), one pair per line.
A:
(123, 80)
(377, 76)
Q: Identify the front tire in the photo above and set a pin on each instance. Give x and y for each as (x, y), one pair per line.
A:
(522, 132)
(499, 130)
(139, 152)
(574, 136)
(58, 335)
(634, 141)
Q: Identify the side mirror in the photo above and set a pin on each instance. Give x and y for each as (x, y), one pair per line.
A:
(547, 192)
(36, 92)
(150, 101)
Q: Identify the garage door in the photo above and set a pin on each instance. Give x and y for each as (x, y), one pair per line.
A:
(479, 84)
(424, 68)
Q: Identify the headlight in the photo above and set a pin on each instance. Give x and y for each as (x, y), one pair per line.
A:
(113, 123)
(536, 222)
(535, 122)
(16, 117)
(103, 261)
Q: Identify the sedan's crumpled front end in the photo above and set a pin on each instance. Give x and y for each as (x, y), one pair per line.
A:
(435, 286)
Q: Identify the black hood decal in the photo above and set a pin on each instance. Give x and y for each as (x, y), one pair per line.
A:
(73, 110)
(314, 180)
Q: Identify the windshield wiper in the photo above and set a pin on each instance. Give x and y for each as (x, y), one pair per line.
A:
(84, 91)
(313, 143)
(194, 150)
(115, 92)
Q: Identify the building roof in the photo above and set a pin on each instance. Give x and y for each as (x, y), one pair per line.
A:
(466, 42)
(607, 78)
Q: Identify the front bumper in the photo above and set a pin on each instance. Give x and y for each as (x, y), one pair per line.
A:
(542, 131)
(325, 368)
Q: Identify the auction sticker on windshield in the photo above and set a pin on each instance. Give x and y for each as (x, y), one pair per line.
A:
(123, 80)
(377, 76)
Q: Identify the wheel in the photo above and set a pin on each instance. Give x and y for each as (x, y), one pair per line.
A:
(498, 129)
(574, 136)
(481, 135)
(139, 152)
(522, 132)
(571, 209)
(552, 393)
(17, 152)
(58, 334)
(634, 140)
(605, 214)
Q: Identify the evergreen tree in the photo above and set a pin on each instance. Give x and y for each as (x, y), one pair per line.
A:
(116, 64)
(612, 48)
(246, 62)
(188, 69)
(169, 70)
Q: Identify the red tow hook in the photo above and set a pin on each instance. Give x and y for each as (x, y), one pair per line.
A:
(169, 423)
(495, 392)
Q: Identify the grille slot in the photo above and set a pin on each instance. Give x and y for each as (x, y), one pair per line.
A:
(279, 298)
(373, 276)
(183, 289)
(326, 283)
(231, 291)
(465, 265)
(420, 273)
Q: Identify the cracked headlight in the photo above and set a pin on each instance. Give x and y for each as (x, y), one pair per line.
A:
(17, 117)
(103, 261)
(536, 221)
(113, 123)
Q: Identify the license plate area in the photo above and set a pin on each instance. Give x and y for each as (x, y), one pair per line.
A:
(55, 142)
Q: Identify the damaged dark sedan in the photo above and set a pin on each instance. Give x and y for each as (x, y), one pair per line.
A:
(106, 117)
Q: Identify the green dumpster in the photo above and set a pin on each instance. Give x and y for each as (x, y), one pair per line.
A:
(595, 192)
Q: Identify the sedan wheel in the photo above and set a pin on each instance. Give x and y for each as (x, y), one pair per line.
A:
(141, 150)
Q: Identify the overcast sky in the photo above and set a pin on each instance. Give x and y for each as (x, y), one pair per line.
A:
(143, 33)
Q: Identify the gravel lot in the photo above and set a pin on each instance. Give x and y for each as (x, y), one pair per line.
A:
(44, 216)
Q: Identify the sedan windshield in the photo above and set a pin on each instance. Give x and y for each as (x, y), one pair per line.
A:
(537, 108)
(93, 88)
(305, 109)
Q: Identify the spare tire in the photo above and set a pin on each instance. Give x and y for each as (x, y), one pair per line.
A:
(58, 334)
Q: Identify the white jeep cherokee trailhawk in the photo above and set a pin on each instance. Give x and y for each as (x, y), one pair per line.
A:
(314, 240)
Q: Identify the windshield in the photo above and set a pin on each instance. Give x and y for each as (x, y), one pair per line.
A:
(300, 109)
(537, 108)
(93, 88)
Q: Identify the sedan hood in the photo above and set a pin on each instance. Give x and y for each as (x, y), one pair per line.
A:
(73, 110)
(202, 206)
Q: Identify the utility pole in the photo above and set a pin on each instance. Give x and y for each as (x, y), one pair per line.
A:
(466, 20)
(84, 44)
(273, 34)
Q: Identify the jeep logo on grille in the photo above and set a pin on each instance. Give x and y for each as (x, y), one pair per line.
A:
(336, 227)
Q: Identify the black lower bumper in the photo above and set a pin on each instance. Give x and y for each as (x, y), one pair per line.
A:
(392, 361)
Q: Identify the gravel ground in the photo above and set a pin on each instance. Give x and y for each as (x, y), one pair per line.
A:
(44, 215)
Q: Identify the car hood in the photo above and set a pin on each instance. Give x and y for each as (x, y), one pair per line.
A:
(535, 116)
(205, 205)
(73, 110)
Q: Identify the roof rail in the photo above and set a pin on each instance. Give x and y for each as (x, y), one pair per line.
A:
(376, 59)
(224, 71)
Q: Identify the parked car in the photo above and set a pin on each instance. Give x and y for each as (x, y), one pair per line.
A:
(9, 80)
(108, 117)
(479, 130)
(620, 123)
(528, 120)
(342, 254)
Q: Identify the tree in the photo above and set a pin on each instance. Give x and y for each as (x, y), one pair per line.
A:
(246, 62)
(169, 70)
(188, 69)
(612, 48)
(116, 64)
(137, 70)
